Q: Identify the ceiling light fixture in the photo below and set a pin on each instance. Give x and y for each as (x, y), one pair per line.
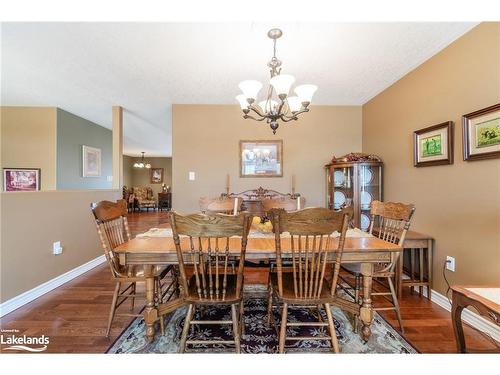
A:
(142, 164)
(278, 105)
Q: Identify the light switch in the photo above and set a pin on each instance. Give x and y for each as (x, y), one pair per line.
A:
(191, 176)
(110, 178)
(57, 248)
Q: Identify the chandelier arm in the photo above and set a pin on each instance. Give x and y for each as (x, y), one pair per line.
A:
(257, 110)
(288, 119)
(254, 118)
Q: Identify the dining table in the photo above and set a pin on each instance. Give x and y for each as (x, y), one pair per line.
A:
(154, 250)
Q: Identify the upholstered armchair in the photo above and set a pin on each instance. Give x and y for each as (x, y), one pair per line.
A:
(143, 198)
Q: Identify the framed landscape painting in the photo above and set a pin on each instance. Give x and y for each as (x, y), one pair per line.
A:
(91, 161)
(21, 179)
(433, 145)
(261, 158)
(156, 175)
(481, 134)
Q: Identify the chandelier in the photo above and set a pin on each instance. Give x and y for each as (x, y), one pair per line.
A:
(278, 105)
(142, 164)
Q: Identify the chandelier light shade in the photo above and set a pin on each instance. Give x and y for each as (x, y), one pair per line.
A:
(142, 163)
(277, 105)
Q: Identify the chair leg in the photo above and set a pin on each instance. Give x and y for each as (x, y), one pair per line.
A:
(331, 326)
(269, 304)
(284, 317)
(113, 307)
(132, 302)
(185, 329)
(236, 330)
(357, 288)
(396, 304)
(242, 319)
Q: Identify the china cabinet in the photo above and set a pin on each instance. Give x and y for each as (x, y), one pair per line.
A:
(356, 184)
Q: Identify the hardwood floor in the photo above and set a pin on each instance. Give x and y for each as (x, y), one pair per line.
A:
(74, 316)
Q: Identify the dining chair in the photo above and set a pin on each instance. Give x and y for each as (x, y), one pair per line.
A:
(113, 230)
(288, 204)
(205, 245)
(228, 206)
(304, 239)
(389, 221)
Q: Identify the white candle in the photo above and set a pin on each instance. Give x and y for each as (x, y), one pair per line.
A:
(298, 203)
(293, 184)
(227, 183)
(235, 210)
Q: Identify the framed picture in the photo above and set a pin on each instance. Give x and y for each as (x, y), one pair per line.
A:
(433, 145)
(156, 175)
(481, 134)
(91, 161)
(261, 158)
(21, 179)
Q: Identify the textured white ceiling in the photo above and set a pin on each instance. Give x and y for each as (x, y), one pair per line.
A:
(85, 68)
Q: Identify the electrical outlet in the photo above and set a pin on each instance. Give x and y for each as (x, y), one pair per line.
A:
(57, 248)
(450, 264)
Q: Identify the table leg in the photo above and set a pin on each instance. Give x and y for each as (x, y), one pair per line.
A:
(366, 310)
(456, 317)
(150, 312)
(430, 253)
(421, 271)
(399, 274)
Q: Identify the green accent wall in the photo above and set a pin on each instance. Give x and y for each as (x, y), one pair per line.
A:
(72, 133)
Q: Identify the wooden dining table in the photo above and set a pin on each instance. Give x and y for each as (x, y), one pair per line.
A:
(152, 251)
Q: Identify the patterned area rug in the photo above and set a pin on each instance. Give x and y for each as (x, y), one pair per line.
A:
(259, 338)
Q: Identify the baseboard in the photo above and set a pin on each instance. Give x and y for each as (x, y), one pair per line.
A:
(26, 297)
(468, 316)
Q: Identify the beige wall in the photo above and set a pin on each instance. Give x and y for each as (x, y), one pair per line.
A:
(32, 221)
(458, 204)
(29, 140)
(127, 171)
(206, 141)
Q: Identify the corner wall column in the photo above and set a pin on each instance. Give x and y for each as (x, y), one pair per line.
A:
(117, 147)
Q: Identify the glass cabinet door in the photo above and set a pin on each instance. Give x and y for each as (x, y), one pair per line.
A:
(343, 186)
(370, 178)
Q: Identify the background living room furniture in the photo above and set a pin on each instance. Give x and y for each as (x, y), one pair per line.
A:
(143, 198)
(354, 179)
(165, 201)
(252, 199)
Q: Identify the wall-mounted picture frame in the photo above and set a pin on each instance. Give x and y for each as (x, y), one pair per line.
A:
(156, 175)
(261, 158)
(481, 134)
(433, 145)
(21, 179)
(91, 158)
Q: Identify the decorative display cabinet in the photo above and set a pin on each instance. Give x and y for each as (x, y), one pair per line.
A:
(354, 183)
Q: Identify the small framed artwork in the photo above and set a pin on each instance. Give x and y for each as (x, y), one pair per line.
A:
(481, 133)
(261, 158)
(21, 179)
(156, 175)
(91, 161)
(433, 145)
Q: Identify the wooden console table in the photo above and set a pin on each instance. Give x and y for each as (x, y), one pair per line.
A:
(422, 246)
(485, 300)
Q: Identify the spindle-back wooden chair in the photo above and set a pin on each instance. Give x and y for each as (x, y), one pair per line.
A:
(206, 244)
(287, 203)
(310, 252)
(112, 228)
(389, 221)
(228, 206)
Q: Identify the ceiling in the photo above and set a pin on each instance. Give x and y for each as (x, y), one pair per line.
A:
(86, 68)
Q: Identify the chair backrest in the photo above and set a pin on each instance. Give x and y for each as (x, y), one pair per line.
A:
(228, 206)
(112, 228)
(309, 247)
(287, 203)
(208, 247)
(390, 221)
(143, 192)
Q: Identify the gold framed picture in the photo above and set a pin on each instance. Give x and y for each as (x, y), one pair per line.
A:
(156, 175)
(481, 134)
(261, 158)
(433, 145)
